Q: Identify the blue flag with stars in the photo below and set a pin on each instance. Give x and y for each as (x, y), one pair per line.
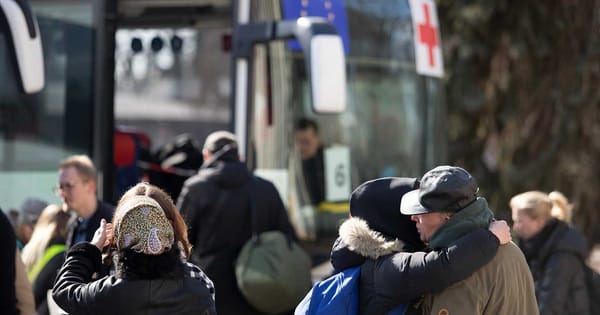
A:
(333, 10)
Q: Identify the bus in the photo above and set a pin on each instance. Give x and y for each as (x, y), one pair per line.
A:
(158, 69)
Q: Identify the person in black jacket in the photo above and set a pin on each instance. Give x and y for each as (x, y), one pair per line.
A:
(151, 275)
(216, 206)
(8, 298)
(386, 244)
(77, 190)
(555, 253)
(308, 142)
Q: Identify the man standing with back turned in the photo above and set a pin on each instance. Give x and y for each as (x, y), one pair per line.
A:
(215, 204)
(446, 207)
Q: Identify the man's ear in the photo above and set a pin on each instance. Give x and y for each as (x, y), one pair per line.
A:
(447, 215)
(92, 185)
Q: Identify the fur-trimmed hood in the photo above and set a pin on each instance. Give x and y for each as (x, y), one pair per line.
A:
(358, 242)
(355, 232)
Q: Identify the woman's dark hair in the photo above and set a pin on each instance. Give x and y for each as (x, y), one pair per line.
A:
(131, 265)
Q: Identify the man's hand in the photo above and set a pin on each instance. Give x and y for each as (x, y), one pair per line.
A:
(501, 230)
(104, 234)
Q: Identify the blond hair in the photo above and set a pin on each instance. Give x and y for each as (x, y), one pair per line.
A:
(82, 164)
(52, 222)
(534, 204)
(561, 209)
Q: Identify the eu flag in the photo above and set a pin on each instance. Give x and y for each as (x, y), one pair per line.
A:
(333, 10)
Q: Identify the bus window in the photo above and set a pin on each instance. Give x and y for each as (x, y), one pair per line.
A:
(386, 129)
(37, 131)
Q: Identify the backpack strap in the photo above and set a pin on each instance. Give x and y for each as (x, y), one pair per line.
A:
(50, 252)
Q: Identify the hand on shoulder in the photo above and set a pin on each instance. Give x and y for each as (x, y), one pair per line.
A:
(501, 230)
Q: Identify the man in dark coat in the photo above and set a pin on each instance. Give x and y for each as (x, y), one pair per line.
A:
(445, 208)
(216, 206)
(77, 189)
(306, 137)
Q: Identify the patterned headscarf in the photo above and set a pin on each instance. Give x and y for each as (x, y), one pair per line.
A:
(140, 224)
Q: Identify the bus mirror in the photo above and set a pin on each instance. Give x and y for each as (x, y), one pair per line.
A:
(27, 45)
(323, 54)
(327, 73)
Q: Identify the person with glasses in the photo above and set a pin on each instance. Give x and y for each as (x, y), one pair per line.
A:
(77, 190)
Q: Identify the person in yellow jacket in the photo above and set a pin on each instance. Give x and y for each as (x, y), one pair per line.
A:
(446, 207)
(44, 254)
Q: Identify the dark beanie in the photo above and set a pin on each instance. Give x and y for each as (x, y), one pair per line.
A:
(378, 202)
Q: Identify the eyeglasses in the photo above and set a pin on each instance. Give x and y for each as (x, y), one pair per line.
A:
(64, 187)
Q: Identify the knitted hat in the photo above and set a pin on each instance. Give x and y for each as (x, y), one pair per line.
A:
(140, 224)
(31, 209)
(377, 202)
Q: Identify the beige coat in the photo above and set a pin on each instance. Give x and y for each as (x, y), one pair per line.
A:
(503, 286)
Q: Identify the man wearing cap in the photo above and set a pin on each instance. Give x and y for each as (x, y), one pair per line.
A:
(386, 245)
(446, 207)
(216, 206)
(29, 213)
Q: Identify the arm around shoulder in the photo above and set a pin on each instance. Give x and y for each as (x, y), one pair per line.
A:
(422, 272)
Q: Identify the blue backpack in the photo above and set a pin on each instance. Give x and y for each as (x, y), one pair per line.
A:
(337, 294)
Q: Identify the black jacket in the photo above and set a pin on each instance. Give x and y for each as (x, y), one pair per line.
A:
(75, 294)
(103, 211)
(8, 298)
(216, 206)
(313, 170)
(390, 277)
(555, 256)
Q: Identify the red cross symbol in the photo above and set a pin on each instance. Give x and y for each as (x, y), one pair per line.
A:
(428, 34)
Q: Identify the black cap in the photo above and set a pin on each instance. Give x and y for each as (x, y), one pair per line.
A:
(377, 202)
(443, 189)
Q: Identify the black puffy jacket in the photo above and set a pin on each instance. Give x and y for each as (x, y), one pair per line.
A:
(76, 293)
(555, 256)
(390, 277)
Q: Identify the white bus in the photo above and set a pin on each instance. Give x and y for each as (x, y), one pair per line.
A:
(167, 67)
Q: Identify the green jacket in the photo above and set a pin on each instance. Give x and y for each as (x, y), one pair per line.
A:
(503, 286)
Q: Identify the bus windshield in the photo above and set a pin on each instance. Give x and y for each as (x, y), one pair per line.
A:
(37, 131)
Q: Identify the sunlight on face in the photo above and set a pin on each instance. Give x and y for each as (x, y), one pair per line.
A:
(525, 226)
(428, 223)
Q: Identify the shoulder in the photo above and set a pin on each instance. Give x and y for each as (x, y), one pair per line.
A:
(572, 241)
(196, 273)
(509, 252)
(196, 179)
(263, 185)
(105, 210)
